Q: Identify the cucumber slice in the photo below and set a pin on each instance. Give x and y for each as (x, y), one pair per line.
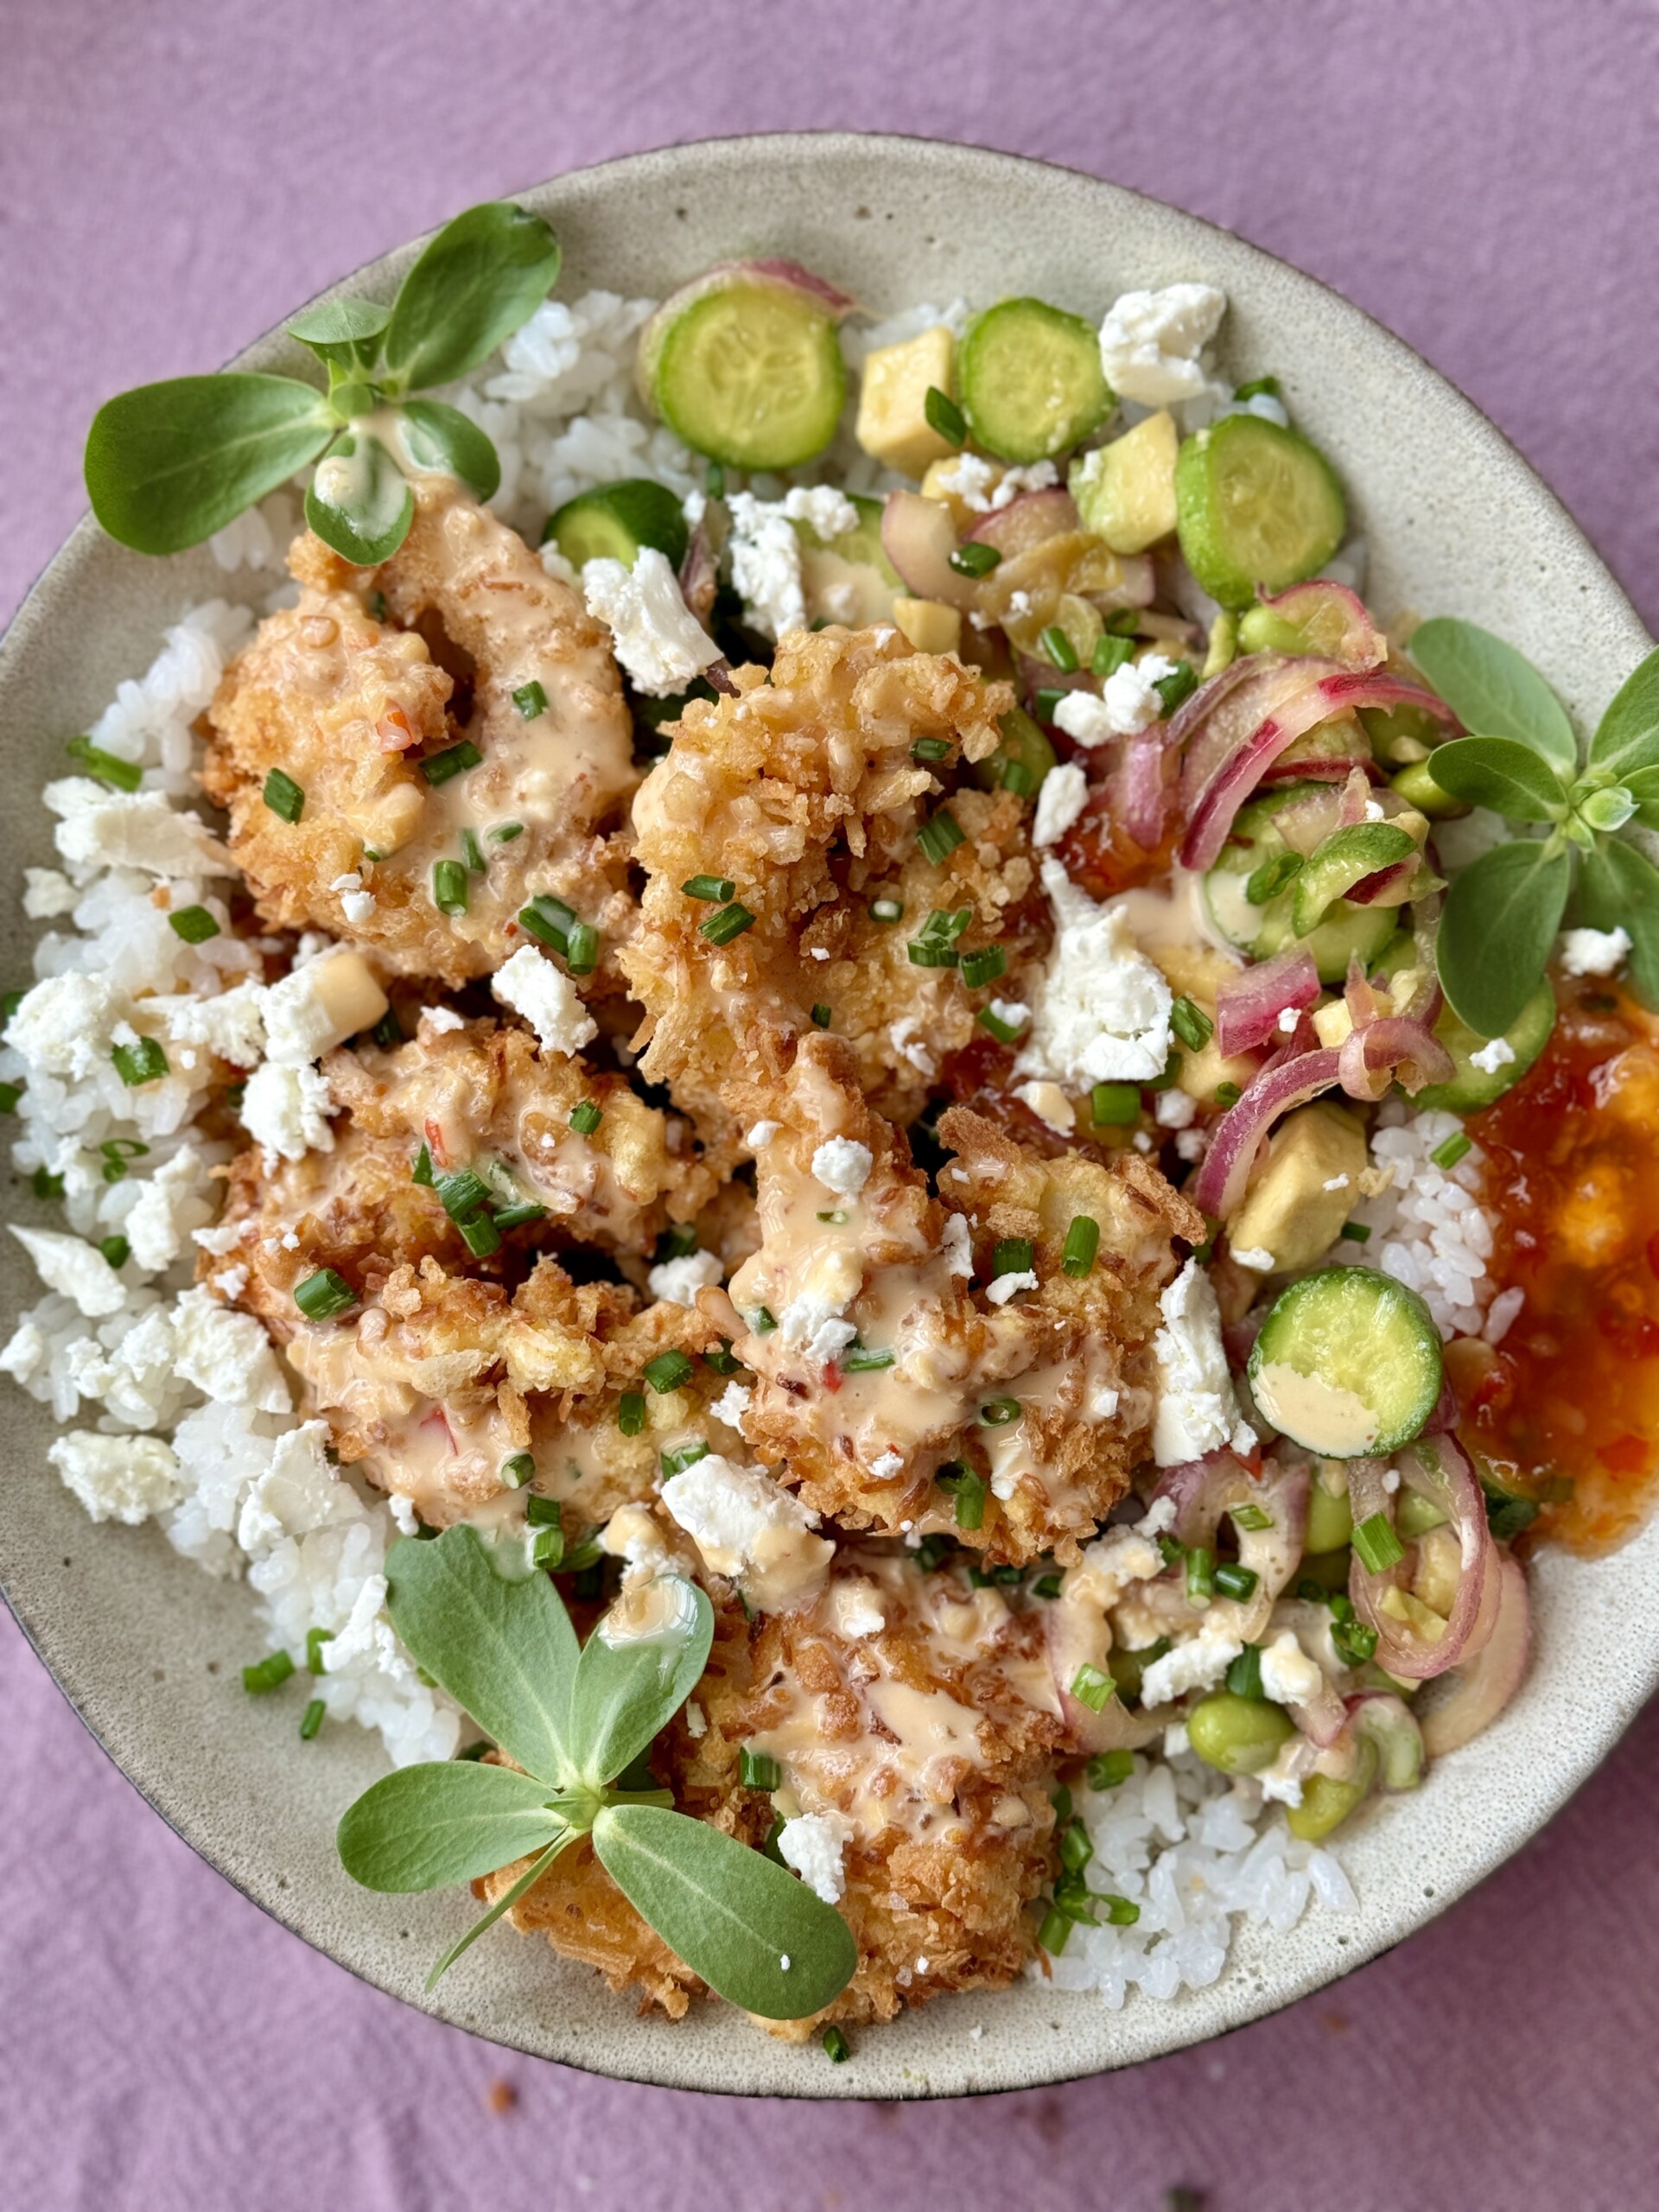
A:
(1029, 380)
(752, 376)
(1345, 858)
(616, 522)
(1257, 505)
(1348, 1364)
(1262, 930)
(1471, 1088)
(1022, 759)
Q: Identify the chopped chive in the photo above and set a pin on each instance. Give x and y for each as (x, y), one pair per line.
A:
(472, 853)
(144, 1062)
(480, 1235)
(1004, 1032)
(1257, 387)
(9, 1094)
(716, 888)
(1011, 1255)
(1251, 1517)
(939, 837)
(933, 952)
(931, 749)
(1171, 1550)
(860, 1361)
(947, 922)
(312, 1719)
(1076, 1849)
(45, 1184)
(1120, 1913)
(1355, 1645)
(1449, 1153)
(1228, 1094)
(969, 1489)
(547, 1547)
(723, 1362)
(728, 923)
(454, 760)
(1108, 1770)
(1051, 1936)
(193, 923)
(586, 1117)
(1020, 778)
(422, 1169)
(1045, 699)
(108, 767)
(1059, 648)
(683, 1456)
(834, 1215)
(116, 1250)
(582, 955)
(116, 1152)
(976, 558)
(762, 1321)
(1090, 1687)
(463, 1194)
(944, 417)
(1115, 1105)
(1200, 1574)
(1046, 1586)
(516, 1470)
(933, 1552)
(1082, 1242)
(268, 1673)
(886, 910)
(283, 796)
(822, 1017)
(322, 1295)
(449, 887)
(314, 1640)
(757, 1769)
(667, 1371)
(388, 1031)
(1235, 1581)
(1191, 1025)
(631, 1412)
(516, 1217)
(10, 1002)
(549, 920)
(839, 2050)
(530, 700)
(714, 480)
(544, 1512)
(984, 967)
(999, 1413)
(1356, 1232)
(678, 1242)
(1168, 1076)
(1275, 875)
(1379, 1548)
(1244, 1675)
(1110, 654)
(1181, 684)
(504, 832)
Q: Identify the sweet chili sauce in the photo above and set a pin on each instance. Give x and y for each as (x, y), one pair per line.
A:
(1572, 1390)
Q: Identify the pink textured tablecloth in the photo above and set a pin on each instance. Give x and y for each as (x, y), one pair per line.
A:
(173, 177)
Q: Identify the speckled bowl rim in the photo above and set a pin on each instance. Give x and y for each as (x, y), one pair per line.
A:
(252, 1802)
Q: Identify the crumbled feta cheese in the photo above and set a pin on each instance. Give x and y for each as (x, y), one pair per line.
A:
(1103, 1013)
(1006, 1287)
(887, 1466)
(813, 1322)
(222, 1239)
(1050, 1104)
(855, 1608)
(286, 1110)
(227, 1356)
(732, 1403)
(1335, 1183)
(547, 999)
(658, 641)
(908, 1041)
(66, 1023)
(1594, 952)
(1061, 797)
(697, 1720)
(984, 487)
(1014, 1013)
(440, 1020)
(355, 903)
(825, 511)
(1255, 1257)
(231, 1025)
(75, 1268)
(47, 893)
(139, 829)
(169, 1207)
(1288, 1018)
(405, 1519)
(1173, 1109)
(1288, 1676)
(677, 1282)
(843, 1165)
(1127, 704)
(765, 554)
(1150, 342)
(632, 1535)
(738, 1518)
(956, 1245)
(1197, 1664)
(1196, 1411)
(319, 1006)
(1159, 1518)
(1176, 1740)
(813, 1844)
(117, 1477)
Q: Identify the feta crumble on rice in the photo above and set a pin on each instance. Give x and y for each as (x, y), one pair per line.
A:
(1103, 1013)
(1129, 703)
(677, 1282)
(657, 639)
(1150, 342)
(1594, 952)
(1197, 1410)
(813, 1844)
(1061, 797)
(547, 999)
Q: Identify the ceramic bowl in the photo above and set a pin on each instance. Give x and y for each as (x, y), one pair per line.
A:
(146, 1647)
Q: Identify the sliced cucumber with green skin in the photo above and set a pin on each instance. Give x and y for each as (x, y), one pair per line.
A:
(1472, 1088)
(1348, 1364)
(751, 375)
(1263, 930)
(1345, 858)
(1257, 506)
(616, 522)
(1022, 759)
(1029, 380)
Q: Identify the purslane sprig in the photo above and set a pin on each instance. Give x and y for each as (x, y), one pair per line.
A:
(577, 1719)
(169, 464)
(1501, 914)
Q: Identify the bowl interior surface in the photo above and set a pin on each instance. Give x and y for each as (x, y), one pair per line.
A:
(146, 1647)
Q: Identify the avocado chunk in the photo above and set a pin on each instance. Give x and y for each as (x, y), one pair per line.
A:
(1125, 491)
(1287, 1210)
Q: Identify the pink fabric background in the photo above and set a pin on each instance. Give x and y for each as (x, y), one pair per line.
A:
(172, 179)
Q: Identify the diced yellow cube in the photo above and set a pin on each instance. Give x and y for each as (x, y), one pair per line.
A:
(1333, 1024)
(930, 625)
(1125, 491)
(1304, 1191)
(893, 424)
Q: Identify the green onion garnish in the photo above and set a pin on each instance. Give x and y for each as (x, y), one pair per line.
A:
(1449, 1153)
(1115, 1105)
(999, 1413)
(933, 1552)
(1251, 1517)
(1200, 1575)
(1020, 778)
(516, 1217)
(9, 1094)
(454, 760)
(268, 1673)
(547, 1547)
(144, 1062)
(422, 1169)
(1046, 1586)
(1244, 1675)
(322, 1295)
(1011, 1255)
(193, 923)
(1052, 1934)
(108, 767)
(976, 558)
(314, 1640)
(717, 888)
(449, 887)
(472, 853)
(549, 920)
(728, 923)
(582, 956)
(1228, 1094)
(1107, 1769)
(10, 1002)
(939, 837)
(530, 700)
(116, 1152)
(1355, 1644)
(1110, 654)
(886, 910)
(504, 832)
(757, 1769)
(762, 1321)
(1004, 1032)
(944, 417)
(1379, 1548)
(1356, 1232)
(836, 2045)
(480, 1235)
(518, 1470)
(1045, 699)
(312, 1719)
(1181, 681)
(667, 1371)
(714, 480)
(1076, 1850)
(931, 749)
(982, 967)
(388, 1031)
(1273, 876)
(1059, 648)
(283, 796)
(678, 1242)
(586, 1117)
(860, 1361)
(822, 1017)
(1120, 1913)
(1235, 1581)
(1257, 385)
(933, 952)
(45, 1184)
(544, 1512)
(116, 1250)
(968, 1490)
(1171, 1550)
(462, 1192)
(722, 1361)
(1082, 1242)
(1191, 1025)
(631, 1412)
(683, 1456)
(1090, 1687)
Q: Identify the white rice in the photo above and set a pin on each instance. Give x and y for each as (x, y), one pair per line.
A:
(1429, 1227)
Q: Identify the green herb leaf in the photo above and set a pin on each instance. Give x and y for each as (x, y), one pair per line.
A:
(359, 501)
(506, 1651)
(169, 464)
(345, 333)
(1497, 772)
(1492, 690)
(504, 1903)
(627, 1689)
(732, 1914)
(1496, 929)
(1643, 787)
(1618, 888)
(479, 279)
(425, 1826)
(1627, 737)
(442, 437)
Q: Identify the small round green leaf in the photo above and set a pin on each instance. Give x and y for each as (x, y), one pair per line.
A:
(479, 279)
(426, 1827)
(1608, 808)
(436, 436)
(1492, 690)
(169, 464)
(345, 333)
(1618, 888)
(1643, 788)
(637, 1667)
(1496, 930)
(1497, 772)
(359, 501)
(1627, 737)
(732, 1915)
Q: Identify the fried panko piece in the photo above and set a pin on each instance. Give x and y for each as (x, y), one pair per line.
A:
(804, 791)
(1043, 1391)
(353, 713)
(918, 1720)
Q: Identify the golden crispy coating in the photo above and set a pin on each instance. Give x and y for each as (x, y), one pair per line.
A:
(804, 791)
(350, 709)
(1044, 1392)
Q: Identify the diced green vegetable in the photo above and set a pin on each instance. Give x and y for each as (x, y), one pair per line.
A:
(749, 374)
(1029, 380)
(1257, 505)
(1238, 1735)
(1348, 1363)
(616, 522)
